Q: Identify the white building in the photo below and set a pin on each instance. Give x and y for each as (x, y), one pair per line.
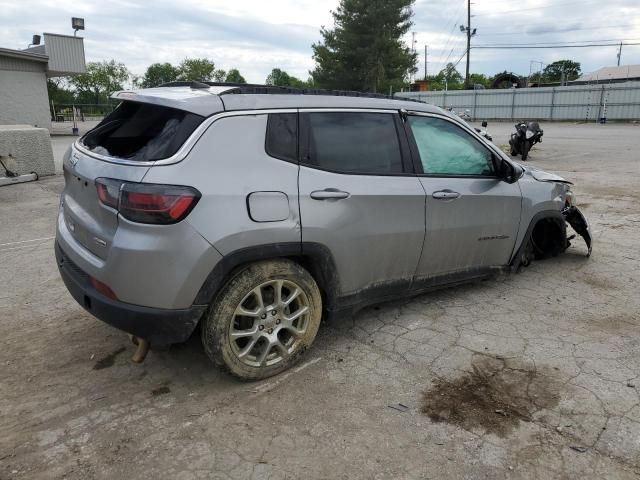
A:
(621, 73)
(23, 78)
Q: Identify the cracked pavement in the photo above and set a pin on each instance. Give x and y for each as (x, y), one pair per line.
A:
(73, 406)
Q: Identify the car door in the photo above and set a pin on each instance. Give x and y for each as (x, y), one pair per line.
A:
(360, 198)
(472, 215)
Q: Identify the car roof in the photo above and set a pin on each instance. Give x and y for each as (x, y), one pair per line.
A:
(207, 100)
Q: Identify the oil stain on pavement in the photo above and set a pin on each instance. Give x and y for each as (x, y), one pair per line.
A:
(494, 397)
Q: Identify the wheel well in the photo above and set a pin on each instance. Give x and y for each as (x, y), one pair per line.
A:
(315, 258)
(548, 237)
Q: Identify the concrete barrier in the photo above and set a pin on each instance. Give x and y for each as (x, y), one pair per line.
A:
(25, 149)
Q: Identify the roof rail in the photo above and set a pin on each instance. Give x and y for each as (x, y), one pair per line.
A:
(249, 88)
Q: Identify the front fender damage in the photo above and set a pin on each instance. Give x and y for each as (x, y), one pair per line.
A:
(578, 222)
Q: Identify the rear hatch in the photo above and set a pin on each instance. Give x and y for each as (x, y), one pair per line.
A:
(122, 147)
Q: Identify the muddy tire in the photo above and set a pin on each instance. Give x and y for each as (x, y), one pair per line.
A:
(263, 319)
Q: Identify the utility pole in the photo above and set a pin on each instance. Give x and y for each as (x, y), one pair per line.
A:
(470, 33)
(619, 53)
(466, 76)
(413, 46)
(425, 62)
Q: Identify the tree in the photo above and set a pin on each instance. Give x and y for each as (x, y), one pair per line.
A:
(364, 51)
(233, 76)
(199, 70)
(99, 81)
(479, 79)
(159, 73)
(58, 93)
(449, 78)
(281, 78)
(553, 71)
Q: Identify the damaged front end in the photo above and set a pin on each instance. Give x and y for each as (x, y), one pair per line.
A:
(547, 234)
(578, 222)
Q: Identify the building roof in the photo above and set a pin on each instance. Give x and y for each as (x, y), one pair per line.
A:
(216, 99)
(62, 55)
(23, 55)
(623, 72)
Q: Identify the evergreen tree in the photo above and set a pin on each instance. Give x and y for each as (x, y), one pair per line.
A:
(364, 51)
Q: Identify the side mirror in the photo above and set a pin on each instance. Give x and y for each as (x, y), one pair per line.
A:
(484, 124)
(506, 171)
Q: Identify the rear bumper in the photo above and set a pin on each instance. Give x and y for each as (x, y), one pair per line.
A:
(159, 326)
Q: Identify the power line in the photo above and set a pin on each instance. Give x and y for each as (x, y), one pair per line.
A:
(545, 7)
(455, 24)
(455, 46)
(604, 27)
(460, 59)
(523, 46)
(585, 42)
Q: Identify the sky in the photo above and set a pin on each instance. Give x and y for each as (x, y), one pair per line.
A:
(258, 35)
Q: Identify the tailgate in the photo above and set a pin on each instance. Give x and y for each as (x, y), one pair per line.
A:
(92, 224)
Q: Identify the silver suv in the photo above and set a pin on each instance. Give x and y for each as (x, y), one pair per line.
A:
(254, 211)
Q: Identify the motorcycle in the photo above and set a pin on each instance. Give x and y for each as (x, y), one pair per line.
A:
(484, 131)
(466, 116)
(525, 137)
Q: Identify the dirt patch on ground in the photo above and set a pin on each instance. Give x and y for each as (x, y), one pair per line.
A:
(599, 282)
(495, 396)
(622, 325)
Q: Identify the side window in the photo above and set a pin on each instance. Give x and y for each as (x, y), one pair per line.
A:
(282, 136)
(446, 149)
(353, 142)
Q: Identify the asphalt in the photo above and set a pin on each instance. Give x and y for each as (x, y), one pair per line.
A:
(533, 375)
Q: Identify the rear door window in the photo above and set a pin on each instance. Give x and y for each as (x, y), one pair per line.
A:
(142, 132)
(352, 142)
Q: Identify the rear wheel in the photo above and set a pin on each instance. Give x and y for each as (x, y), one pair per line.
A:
(263, 319)
(525, 150)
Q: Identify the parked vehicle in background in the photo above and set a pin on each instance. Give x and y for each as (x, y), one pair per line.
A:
(524, 138)
(484, 131)
(254, 211)
(466, 116)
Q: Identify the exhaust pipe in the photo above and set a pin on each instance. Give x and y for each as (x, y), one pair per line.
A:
(141, 351)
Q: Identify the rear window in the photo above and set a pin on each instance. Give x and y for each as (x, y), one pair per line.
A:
(142, 132)
(282, 136)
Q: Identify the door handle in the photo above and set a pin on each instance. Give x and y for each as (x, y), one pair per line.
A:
(445, 195)
(329, 194)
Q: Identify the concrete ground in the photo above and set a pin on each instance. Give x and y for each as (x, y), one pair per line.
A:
(61, 138)
(536, 375)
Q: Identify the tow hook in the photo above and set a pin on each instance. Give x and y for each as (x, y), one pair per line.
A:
(141, 351)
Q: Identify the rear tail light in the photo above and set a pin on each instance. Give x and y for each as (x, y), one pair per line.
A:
(146, 202)
(108, 191)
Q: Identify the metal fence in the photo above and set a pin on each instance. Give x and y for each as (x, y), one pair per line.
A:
(614, 101)
(83, 112)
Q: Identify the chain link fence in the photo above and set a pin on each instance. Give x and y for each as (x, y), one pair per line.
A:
(83, 112)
